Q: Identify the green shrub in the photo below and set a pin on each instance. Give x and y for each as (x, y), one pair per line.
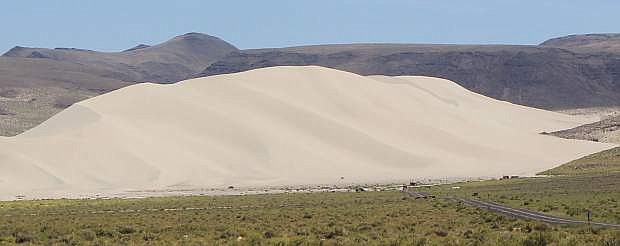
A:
(88, 235)
(610, 241)
(149, 236)
(441, 233)
(101, 232)
(126, 230)
(573, 211)
(22, 237)
(541, 227)
(268, 234)
(536, 239)
(419, 241)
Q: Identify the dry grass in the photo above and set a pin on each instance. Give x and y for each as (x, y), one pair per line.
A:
(604, 162)
(564, 196)
(365, 218)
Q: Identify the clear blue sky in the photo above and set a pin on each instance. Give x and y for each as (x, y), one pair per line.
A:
(115, 25)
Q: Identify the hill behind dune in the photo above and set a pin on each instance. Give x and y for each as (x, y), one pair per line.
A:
(36, 83)
(280, 126)
(563, 73)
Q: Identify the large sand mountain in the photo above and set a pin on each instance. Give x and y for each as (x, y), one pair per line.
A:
(570, 72)
(282, 125)
(36, 83)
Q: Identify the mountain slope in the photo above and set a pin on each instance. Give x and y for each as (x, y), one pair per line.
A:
(32, 90)
(604, 42)
(539, 76)
(170, 61)
(280, 126)
(37, 83)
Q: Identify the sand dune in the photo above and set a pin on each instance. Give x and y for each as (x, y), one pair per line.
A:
(282, 125)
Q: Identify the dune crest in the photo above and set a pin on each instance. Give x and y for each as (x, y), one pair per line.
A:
(283, 125)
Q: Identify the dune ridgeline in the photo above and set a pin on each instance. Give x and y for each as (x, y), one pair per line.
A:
(282, 126)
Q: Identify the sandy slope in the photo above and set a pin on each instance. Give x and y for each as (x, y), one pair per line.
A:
(282, 125)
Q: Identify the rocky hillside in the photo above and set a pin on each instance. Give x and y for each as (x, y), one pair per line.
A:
(170, 61)
(607, 130)
(36, 83)
(553, 75)
(605, 42)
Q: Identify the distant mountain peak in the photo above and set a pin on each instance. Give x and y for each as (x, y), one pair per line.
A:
(189, 34)
(15, 51)
(199, 43)
(74, 49)
(137, 47)
(196, 36)
(193, 33)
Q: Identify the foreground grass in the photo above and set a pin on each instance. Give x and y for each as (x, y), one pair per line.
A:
(375, 218)
(603, 162)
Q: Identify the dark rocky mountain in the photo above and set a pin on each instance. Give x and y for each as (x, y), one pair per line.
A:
(36, 83)
(554, 75)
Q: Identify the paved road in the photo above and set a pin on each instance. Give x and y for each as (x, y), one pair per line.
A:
(520, 213)
(523, 213)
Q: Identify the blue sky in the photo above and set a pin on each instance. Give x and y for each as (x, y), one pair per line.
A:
(116, 25)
